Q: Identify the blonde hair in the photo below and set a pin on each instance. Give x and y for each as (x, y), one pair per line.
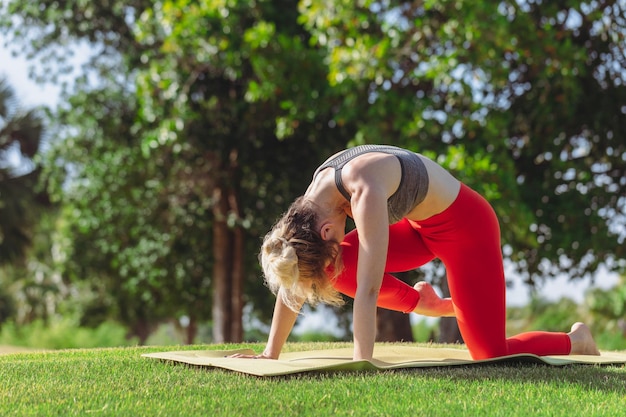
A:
(295, 259)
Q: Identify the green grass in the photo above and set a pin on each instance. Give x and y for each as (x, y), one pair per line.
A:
(119, 382)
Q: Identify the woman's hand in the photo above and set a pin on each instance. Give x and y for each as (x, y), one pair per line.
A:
(430, 304)
(244, 356)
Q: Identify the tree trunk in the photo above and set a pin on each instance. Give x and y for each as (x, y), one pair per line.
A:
(221, 266)
(236, 281)
(449, 331)
(448, 326)
(142, 329)
(191, 331)
(228, 248)
(393, 326)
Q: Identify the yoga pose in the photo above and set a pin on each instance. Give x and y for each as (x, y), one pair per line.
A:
(407, 210)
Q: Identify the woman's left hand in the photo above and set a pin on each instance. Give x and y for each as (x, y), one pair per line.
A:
(244, 356)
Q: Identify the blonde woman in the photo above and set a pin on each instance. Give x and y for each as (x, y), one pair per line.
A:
(407, 210)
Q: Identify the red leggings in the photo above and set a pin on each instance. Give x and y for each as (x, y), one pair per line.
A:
(466, 238)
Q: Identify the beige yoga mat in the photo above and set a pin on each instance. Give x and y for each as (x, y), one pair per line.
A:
(385, 357)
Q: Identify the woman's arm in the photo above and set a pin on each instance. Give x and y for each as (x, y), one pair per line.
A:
(373, 238)
(283, 321)
(370, 180)
(369, 206)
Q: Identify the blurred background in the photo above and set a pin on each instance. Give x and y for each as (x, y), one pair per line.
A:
(147, 146)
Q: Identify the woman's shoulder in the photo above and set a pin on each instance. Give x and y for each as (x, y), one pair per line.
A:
(373, 170)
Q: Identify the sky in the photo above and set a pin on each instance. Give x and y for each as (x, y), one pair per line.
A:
(16, 72)
(31, 94)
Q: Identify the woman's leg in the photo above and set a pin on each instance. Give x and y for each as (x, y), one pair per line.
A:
(466, 237)
(406, 251)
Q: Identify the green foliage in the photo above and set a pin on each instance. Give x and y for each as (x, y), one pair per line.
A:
(199, 111)
(224, 98)
(538, 87)
(317, 337)
(119, 382)
(608, 303)
(614, 339)
(197, 116)
(425, 331)
(557, 316)
(63, 334)
(608, 309)
(573, 178)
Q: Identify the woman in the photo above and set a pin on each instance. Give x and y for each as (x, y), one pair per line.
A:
(407, 210)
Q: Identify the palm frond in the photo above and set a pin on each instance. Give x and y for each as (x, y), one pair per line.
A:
(7, 98)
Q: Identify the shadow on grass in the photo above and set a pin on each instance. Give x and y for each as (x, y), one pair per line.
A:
(606, 378)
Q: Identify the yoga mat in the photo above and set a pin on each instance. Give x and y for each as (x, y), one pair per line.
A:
(385, 357)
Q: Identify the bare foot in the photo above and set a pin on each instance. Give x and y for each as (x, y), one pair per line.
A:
(430, 304)
(582, 340)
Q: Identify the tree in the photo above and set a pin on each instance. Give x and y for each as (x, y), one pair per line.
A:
(609, 307)
(188, 155)
(204, 105)
(21, 132)
(233, 103)
(116, 220)
(20, 135)
(523, 101)
(566, 134)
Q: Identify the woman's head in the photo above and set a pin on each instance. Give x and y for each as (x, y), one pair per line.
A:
(295, 257)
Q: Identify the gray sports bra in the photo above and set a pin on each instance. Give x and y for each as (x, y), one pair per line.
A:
(413, 181)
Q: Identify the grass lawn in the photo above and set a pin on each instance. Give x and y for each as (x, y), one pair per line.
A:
(119, 382)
